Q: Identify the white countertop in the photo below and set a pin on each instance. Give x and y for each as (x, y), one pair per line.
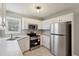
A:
(10, 48)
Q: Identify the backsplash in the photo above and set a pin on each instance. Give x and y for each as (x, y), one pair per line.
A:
(3, 35)
(23, 33)
(46, 32)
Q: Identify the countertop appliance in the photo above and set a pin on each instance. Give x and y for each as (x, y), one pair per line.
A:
(32, 26)
(61, 39)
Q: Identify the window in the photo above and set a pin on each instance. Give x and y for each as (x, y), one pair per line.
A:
(13, 25)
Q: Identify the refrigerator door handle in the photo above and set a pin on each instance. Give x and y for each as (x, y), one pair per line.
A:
(57, 34)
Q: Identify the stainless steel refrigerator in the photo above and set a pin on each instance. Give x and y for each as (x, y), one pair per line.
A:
(60, 39)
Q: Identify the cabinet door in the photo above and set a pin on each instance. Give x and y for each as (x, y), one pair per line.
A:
(24, 24)
(65, 18)
(69, 17)
(62, 19)
(24, 44)
(27, 21)
(41, 40)
(46, 25)
(46, 41)
(27, 46)
(39, 25)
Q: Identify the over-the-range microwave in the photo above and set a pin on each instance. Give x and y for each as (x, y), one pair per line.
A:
(32, 26)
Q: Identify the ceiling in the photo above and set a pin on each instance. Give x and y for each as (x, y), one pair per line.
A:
(29, 9)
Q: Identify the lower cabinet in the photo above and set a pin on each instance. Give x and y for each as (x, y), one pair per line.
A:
(46, 41)
(24, 44)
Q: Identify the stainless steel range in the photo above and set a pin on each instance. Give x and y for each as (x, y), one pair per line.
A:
(34, 40)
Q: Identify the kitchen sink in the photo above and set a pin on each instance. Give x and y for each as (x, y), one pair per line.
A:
(16, 37)
(12, 38)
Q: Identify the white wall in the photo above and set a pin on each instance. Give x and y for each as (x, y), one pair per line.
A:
(76, 32)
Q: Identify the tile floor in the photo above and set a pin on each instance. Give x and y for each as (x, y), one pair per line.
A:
(38, 52)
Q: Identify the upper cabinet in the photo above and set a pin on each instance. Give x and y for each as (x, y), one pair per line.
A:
(27, 21)
(24, 23)
(46, 24)
(40, 25)
(63, 18)
(43, 24)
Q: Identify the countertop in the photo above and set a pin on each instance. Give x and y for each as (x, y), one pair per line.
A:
(10, 47)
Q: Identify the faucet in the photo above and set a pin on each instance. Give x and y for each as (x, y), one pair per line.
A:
(11, 36)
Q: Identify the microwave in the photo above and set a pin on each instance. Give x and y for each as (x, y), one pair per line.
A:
(32, 27)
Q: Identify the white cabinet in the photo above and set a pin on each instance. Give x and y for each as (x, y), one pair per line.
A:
(63, 18)
(46, 41)
(24, 23)
(9, 48)
(27, 21)
(41, 40)
(40, 25)
(46, 24)
(24, 44)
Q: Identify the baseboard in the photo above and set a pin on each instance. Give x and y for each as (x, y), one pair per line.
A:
(75, 55)
(25, 51)
(45, 47)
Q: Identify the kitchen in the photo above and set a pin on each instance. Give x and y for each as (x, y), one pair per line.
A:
(25, 29)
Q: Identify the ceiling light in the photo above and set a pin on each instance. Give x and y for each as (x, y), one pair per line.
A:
(38, 9)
